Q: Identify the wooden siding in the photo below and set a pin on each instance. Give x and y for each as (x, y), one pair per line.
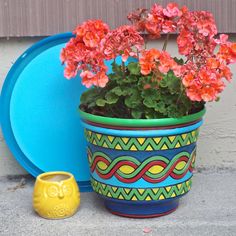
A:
(45, 17)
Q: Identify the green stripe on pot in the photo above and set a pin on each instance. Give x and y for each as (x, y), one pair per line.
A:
(142, 122)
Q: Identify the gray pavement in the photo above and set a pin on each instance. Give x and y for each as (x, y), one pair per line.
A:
(208, 209)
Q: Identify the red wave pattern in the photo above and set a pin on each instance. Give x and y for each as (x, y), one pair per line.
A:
(142, 173)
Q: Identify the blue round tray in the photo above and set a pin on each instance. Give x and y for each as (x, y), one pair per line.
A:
(39, 113)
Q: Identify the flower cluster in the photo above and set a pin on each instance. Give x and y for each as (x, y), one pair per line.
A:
(203, 74)
(93, 43)
(158, 63)
(196, 34)
(158, 20)
(83, 53)
(204, 70)
(205, 81)
(124, 41)
(202, 84)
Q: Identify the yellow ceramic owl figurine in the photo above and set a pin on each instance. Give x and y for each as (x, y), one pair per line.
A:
(56, 195)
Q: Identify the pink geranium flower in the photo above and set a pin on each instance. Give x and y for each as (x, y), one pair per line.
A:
(87, 78)
(124, 41)
(84, 53)
(172, 10)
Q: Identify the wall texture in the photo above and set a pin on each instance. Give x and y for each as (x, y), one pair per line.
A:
(10, 50)
(47, 17)
(216, 146)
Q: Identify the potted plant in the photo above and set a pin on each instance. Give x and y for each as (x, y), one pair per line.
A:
(142, 120)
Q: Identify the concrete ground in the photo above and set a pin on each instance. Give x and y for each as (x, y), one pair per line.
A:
(208, 209)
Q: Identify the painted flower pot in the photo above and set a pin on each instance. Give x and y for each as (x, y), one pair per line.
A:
(141, 168)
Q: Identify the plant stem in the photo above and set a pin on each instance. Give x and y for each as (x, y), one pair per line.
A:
(138, 54)
(166, 41)
(144, 36)
(123, 69)
(180, 95)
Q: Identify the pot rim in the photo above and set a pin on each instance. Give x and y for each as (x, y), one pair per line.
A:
(141, 122)
(69, 176)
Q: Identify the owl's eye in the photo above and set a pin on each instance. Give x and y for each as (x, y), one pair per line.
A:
(52, 191)
(67, 190)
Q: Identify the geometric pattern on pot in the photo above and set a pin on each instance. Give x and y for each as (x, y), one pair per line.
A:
(153, 169)
(141, 194)
(141, 143)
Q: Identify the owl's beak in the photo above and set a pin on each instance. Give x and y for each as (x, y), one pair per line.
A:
(61, 195)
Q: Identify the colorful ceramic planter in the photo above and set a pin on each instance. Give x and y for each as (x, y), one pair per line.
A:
(141, 167)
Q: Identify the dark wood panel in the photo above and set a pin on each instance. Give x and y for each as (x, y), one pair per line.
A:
(46, 17)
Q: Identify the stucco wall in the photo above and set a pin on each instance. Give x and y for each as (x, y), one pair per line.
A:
(217, 142)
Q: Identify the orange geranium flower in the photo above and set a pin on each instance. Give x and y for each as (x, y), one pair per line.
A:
(153, 60)
(91, 32)
(83, 53)
(205, 84)
(148, 60)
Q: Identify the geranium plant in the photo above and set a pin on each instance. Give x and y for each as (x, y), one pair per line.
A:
(155, 85)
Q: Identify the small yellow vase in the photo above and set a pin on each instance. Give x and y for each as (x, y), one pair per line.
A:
(56, 195)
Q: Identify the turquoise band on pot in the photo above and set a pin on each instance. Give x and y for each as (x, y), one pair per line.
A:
(142, 133)
(141, 183)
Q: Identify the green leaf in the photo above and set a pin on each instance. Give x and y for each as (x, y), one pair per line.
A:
(149, 102)
(88, 95)
(170, 74)
(91, 104)
(115, 67)
(111, 98)
(173, 83)
(117, 90)
(134, 100)
(129, 79)
(112, 76)
(122, 91)
(136, 114)
(117, 72)
(134, 68)
(142, 81)
(160, 107)
(179, 61)
(167, 98)
(151, 93)
(152, 114)
(100, 102)
(127, 91)
(164, 82)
